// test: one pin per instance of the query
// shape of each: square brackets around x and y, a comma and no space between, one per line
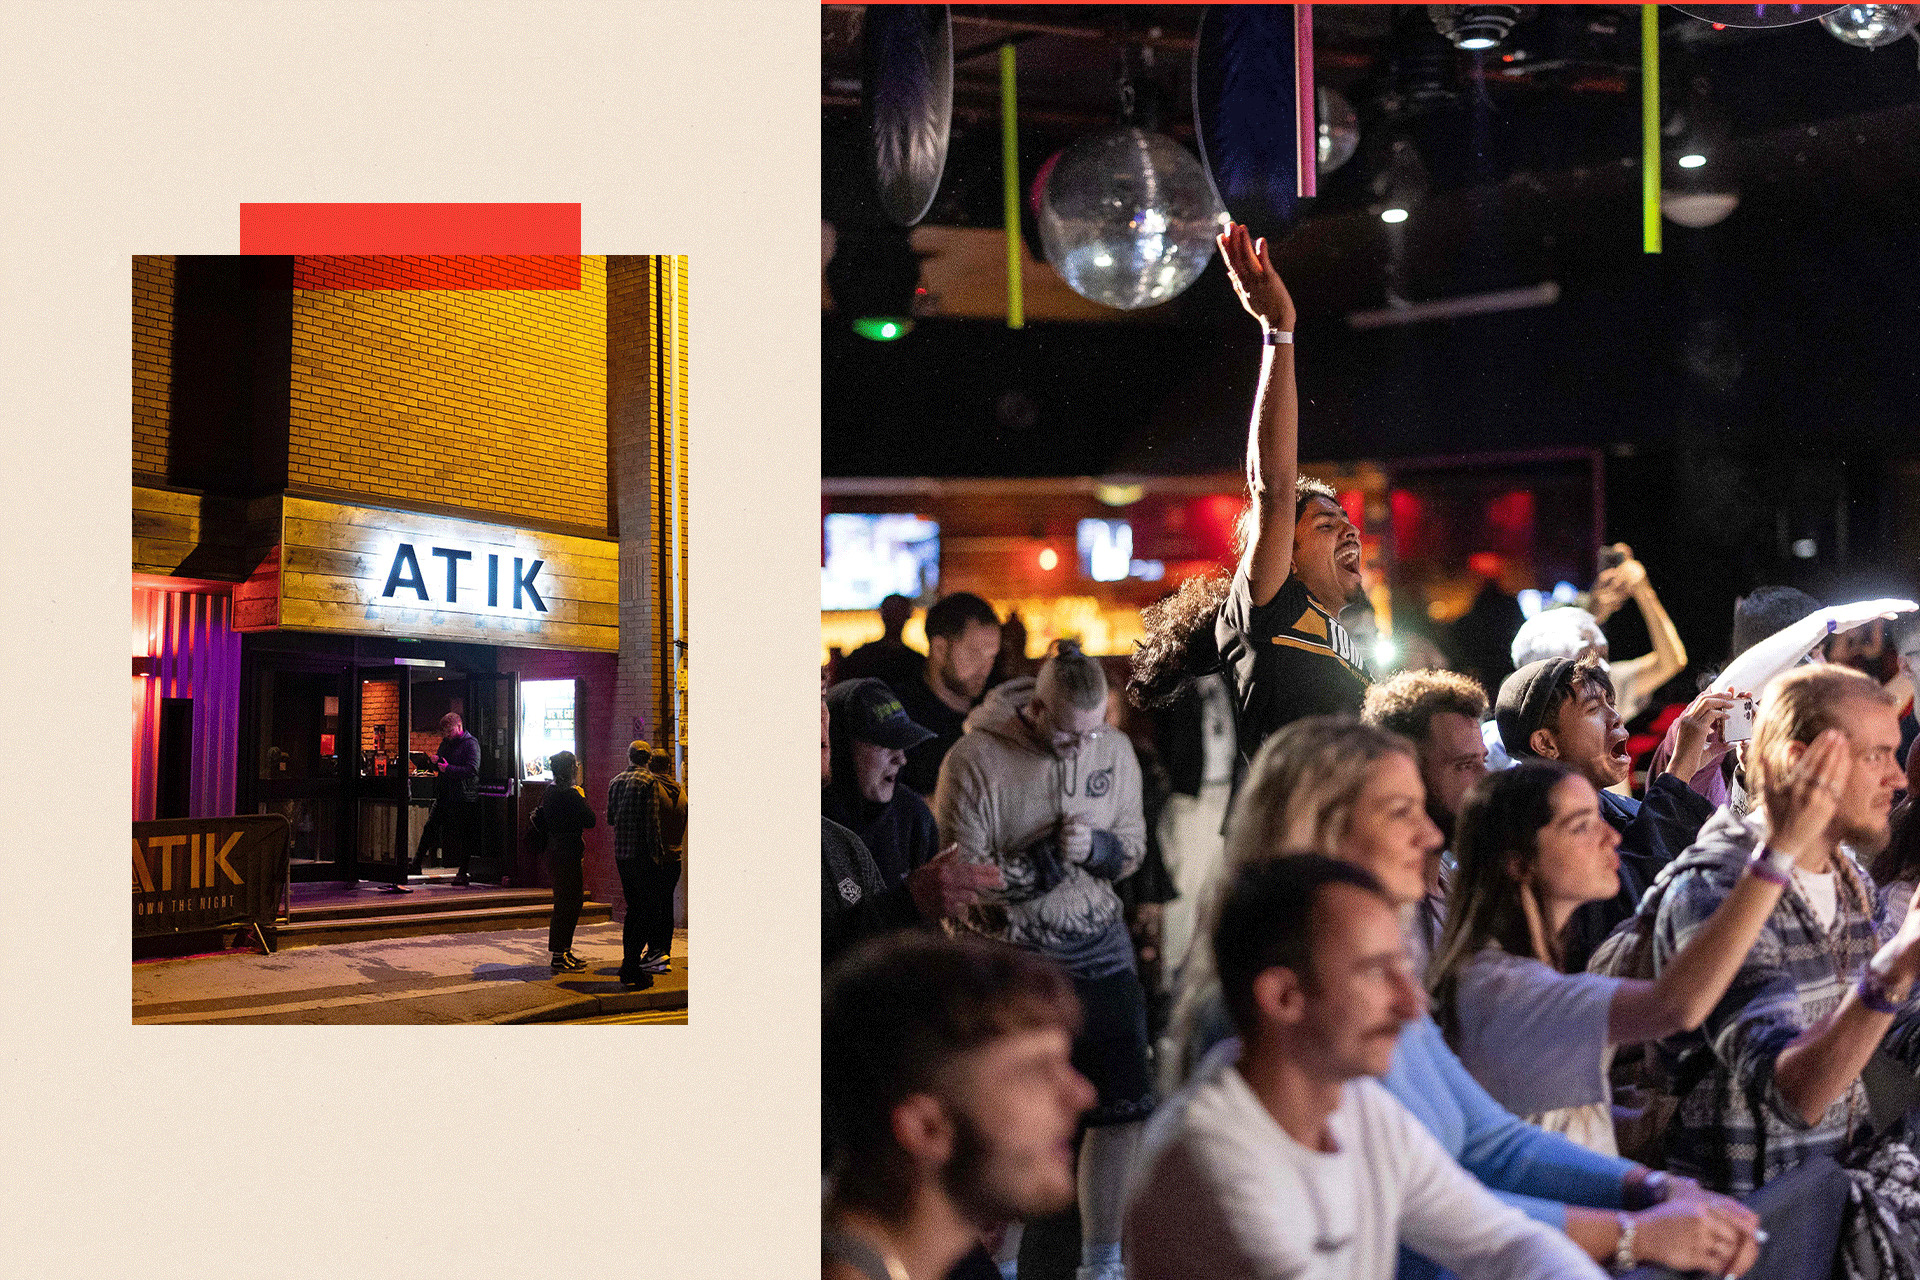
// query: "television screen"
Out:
[870,557]
[1106,549]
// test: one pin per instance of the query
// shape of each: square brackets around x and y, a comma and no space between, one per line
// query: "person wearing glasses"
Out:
[1293,1160]
[1041,789]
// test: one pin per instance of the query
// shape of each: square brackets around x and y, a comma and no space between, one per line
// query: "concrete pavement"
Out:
[497,977]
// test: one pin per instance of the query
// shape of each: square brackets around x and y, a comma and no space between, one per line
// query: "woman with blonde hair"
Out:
[1334,786]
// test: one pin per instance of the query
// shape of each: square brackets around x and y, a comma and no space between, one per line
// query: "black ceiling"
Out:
[1795,320]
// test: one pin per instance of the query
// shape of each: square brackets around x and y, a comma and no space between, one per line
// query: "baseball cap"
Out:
[1522,705]
[869,711]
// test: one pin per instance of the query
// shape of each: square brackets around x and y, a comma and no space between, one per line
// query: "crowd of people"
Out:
[1292,972]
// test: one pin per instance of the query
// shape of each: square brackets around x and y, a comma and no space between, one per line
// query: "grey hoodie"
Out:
[1001,797]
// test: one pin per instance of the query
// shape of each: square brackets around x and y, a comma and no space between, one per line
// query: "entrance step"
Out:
[403,918]
[322,913]
[310,903]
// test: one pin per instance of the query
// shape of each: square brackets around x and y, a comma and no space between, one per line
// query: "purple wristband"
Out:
[1873,995]
[1279,337]
[1761,866]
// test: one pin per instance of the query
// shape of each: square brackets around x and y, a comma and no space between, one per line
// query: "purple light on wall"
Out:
[192,652]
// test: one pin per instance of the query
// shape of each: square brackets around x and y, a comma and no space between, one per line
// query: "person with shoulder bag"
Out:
[558,822]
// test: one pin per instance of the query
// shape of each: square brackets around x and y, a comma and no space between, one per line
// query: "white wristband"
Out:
[1623,1256]
[1276,336]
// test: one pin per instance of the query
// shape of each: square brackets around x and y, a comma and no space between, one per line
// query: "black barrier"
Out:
[192,874]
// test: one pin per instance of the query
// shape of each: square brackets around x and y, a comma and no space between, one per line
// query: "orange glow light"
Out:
[1049,559]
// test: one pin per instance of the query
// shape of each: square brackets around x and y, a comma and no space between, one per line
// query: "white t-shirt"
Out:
[1222,1191]
[1818,888]
[1536,1039]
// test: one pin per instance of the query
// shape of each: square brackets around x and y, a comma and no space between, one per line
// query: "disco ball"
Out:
[1128,218]
[1338,129]
[1872,25]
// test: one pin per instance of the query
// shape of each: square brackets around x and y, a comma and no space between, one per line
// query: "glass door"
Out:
[492,716]
[301,755]
[378,783]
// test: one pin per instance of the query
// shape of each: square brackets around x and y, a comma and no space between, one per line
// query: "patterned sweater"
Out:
[1733,1130]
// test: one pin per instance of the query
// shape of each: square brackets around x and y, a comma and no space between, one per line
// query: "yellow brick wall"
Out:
[488,399]
[152,361]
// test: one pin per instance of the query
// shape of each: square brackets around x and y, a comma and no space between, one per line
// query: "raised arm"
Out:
[1273,437]
[1698,975]
[1636,679]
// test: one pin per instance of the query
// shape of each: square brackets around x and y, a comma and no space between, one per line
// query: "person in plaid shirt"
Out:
[637,806]
[1772,1078]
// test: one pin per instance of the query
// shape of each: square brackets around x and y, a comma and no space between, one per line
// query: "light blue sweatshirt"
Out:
[1493,1144]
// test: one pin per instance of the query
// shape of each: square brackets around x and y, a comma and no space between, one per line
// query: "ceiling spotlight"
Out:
[1476,26]
[1697,196]
[1870,26]
[1401,182]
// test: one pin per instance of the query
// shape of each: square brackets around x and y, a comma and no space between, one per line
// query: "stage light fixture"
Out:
[1695,194]
[1401,183]
[1476,26]
[874,277]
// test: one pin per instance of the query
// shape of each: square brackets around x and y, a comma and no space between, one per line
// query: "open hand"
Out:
[1800,806]
[1250,268]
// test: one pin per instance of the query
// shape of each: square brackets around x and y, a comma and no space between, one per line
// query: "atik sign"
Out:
[405,575]
[201,873]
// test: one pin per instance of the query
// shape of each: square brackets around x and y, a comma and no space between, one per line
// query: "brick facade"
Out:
[152,362]
[493,400]
[539,405]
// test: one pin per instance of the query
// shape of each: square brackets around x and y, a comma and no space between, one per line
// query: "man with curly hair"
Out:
[1440,713]
[1272,626]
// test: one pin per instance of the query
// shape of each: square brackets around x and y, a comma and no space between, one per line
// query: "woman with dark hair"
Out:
[1531,848]
[562,816]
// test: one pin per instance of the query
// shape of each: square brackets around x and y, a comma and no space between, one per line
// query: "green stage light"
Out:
[883,328]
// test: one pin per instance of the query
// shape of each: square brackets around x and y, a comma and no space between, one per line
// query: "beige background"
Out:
[418,1152]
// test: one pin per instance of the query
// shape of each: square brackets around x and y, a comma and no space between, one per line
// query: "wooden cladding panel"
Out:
[335,560]
[193,536]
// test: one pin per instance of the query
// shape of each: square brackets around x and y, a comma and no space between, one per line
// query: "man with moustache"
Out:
[858,898]
[1292,1160]
[1440,713]
[1562,709]
[871,733]
[948,1098]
